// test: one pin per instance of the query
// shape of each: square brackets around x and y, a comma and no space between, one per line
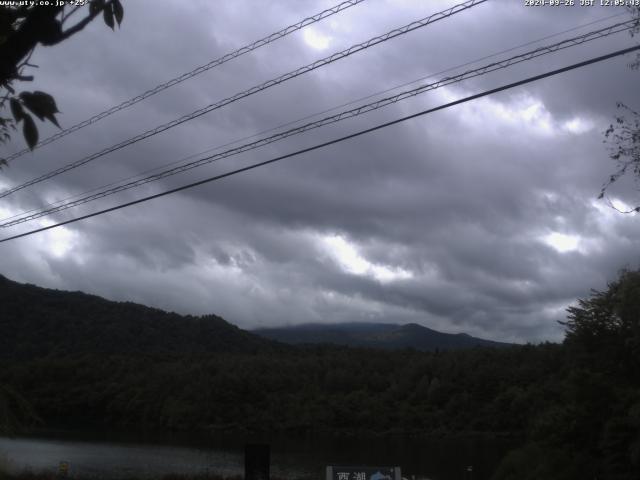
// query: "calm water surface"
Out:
[111,455]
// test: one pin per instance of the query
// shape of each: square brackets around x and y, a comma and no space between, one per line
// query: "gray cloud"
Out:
[448,220]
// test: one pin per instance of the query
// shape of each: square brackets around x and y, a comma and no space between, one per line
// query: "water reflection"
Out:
[121,455]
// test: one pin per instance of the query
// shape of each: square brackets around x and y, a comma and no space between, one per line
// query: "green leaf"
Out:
[16,109]
[42,105]
[118,11]
[107,14]
[49,100]
[54,120]
[30,131]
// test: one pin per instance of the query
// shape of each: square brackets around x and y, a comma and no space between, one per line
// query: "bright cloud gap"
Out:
[351,261]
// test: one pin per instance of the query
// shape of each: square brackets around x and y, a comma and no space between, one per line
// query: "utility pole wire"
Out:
[306,117]
[263,86]
[197,71]
[334,141]
[384,102]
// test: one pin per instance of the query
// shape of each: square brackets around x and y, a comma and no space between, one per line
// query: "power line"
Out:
[197,71]
[306,117]
[218,147]
[283,78]
[538,52]
[334,141]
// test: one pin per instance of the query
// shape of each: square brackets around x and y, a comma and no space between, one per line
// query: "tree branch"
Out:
[633,210]
[82,23]
[18,45]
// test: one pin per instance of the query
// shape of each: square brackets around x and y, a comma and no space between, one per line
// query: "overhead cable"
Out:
[197,71]
[331,142]
[499,65]
[263,86]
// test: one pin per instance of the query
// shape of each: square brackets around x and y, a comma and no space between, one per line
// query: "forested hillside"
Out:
[573,410]
[322,389]
[38,322]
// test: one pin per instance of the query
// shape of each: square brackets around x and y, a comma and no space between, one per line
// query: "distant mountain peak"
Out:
[375,335]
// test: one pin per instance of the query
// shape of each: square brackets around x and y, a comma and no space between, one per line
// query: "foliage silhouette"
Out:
[22,29]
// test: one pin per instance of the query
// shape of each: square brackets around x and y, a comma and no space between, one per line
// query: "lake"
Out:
[124,455]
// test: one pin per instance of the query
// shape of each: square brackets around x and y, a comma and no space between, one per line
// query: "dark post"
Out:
[468,472]
[256,462]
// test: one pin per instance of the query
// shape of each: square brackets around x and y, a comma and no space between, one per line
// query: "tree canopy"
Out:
[623,135]
[608,323]
[22,29]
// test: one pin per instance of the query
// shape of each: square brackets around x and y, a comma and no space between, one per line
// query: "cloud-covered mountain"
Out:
[376,335]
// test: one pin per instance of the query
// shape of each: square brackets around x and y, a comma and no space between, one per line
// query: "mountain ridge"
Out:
[38,322]
[375,335]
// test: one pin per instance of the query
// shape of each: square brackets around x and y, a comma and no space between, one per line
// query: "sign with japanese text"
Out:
[63,469]
[363,473]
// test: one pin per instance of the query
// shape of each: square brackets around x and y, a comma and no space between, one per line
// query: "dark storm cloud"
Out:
[481,218]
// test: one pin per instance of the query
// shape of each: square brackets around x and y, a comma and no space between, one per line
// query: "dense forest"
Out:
[39,322]
[572,410]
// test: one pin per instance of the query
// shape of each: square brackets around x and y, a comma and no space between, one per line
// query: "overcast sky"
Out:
[481,218]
